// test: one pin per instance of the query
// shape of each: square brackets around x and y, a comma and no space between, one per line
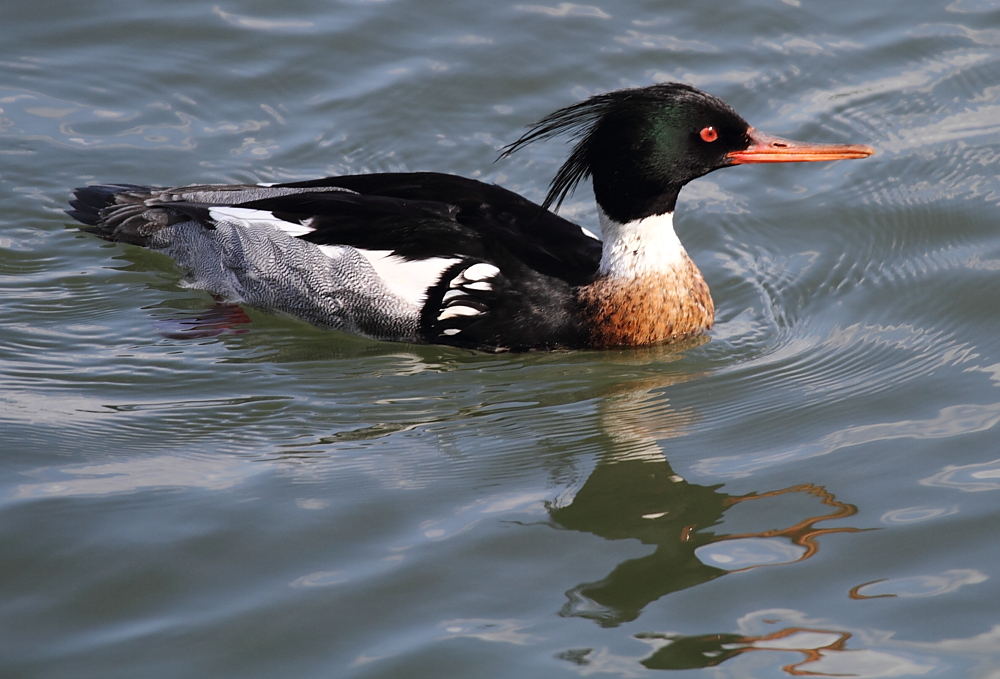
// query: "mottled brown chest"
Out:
[659,308]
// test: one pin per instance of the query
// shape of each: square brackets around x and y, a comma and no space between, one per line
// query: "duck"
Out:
[435,258]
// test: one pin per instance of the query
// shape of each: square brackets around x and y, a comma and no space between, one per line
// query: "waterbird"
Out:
[427,257]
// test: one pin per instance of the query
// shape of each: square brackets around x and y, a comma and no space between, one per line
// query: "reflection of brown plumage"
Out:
[633,493]
[710,650]
[803,533]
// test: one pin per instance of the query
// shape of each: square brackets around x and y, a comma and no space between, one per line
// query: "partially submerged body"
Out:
[435,258]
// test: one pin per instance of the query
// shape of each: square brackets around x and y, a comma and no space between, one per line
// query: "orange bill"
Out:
[767,149]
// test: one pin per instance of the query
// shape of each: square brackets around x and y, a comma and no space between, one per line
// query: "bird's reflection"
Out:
[709,650]
[805,647]
[648,502]
[634,493]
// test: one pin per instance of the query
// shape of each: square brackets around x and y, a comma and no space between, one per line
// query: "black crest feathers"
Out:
[583,120]
[579,121]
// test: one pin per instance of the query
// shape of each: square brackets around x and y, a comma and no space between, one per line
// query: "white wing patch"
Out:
[476,272]
[458,310]
[253,217]
[409,279]
[457,302]
[293,229]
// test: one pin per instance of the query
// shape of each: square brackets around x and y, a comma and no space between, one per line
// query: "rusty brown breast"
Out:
[654,308]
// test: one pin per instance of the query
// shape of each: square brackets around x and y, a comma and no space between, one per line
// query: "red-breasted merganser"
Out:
[436,258]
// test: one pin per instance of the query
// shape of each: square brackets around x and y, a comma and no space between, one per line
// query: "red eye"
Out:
[709,134]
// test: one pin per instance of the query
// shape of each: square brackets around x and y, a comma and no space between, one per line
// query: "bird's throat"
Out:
[642,247]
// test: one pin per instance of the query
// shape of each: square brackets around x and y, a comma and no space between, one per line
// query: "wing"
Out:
[420,215]
[487,268]
[512,265]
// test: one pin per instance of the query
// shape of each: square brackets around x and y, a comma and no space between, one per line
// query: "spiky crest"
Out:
[596,121]
[579,121]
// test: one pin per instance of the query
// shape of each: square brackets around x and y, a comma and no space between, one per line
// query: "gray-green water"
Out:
[813,490]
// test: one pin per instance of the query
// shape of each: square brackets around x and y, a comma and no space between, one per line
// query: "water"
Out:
[813,490]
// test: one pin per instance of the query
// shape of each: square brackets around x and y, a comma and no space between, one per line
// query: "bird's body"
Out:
[436,258]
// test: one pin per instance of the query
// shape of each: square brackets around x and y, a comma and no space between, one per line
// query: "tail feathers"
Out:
[119,212]
[90,200]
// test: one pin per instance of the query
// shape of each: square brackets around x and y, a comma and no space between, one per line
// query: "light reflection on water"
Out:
[128,476]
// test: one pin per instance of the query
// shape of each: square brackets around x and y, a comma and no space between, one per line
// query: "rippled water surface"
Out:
[188,491]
